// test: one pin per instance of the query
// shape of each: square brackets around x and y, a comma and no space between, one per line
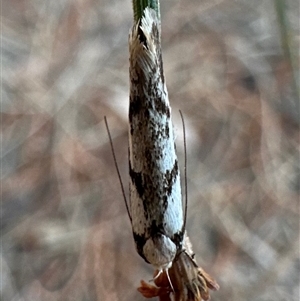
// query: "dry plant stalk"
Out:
[156,214]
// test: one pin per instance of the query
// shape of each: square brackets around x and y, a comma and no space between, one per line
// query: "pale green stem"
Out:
[286,41]
[140,5]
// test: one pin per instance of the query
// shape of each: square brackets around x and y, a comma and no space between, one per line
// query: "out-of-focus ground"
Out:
[65,231]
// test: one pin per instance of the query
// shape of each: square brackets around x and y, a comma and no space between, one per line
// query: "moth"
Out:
[155,207]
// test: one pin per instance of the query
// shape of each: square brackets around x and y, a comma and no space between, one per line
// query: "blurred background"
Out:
[231,67]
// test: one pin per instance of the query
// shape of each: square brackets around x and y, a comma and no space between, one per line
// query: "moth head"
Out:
[160,251]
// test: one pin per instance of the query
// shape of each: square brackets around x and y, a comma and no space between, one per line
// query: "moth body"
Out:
[155,193]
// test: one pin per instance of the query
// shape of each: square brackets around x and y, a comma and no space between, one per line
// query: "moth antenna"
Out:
[185,171]
[117,168]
